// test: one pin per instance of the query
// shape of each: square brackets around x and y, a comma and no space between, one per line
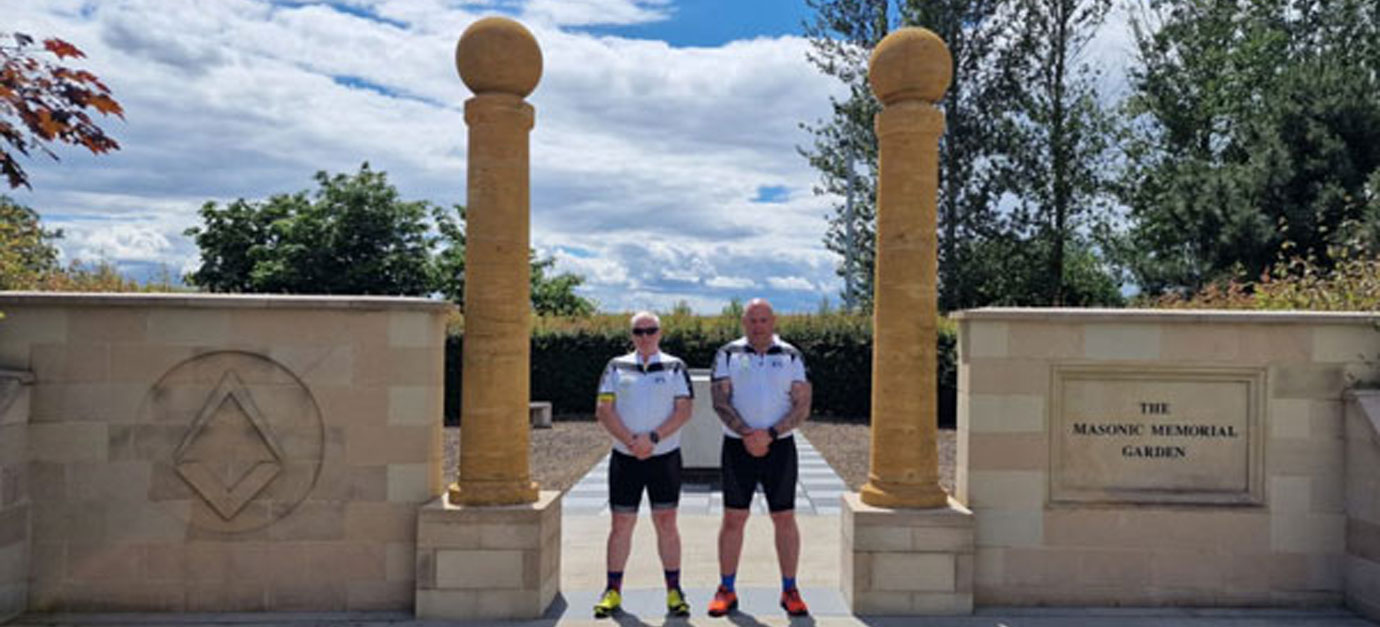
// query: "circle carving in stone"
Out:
[235,436]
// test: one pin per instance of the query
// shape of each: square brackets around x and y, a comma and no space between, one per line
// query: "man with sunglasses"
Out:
[761,394]
[644,400]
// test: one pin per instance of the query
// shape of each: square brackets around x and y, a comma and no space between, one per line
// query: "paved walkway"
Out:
[585,524]
[561,615]
[816,494]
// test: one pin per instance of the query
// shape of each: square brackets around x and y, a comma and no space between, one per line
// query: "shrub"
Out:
[569,354]
[1351,283]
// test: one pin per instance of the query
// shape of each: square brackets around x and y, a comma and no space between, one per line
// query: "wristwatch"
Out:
[771,431]
[656,439]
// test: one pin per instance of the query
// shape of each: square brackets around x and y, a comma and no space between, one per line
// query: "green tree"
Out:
[555,294]
[1015,271]
[1058,137]
[983,91]
[998,119]
[450,259]
[353,236]
[551,294]
[27,250]
[42,102]
[1255,128]
[842,35]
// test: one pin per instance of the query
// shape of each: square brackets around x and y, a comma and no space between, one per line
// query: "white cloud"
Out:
[730,282]
[790,283]
[124,242]
[645,157]
[592,12]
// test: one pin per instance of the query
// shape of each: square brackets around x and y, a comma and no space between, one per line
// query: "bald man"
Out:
[761,394]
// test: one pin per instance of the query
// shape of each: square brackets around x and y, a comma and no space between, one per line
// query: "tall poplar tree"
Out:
[982,90]
[842,36]
[1059,136]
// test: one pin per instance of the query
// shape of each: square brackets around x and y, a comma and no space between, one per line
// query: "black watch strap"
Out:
[656,439]
[771,431]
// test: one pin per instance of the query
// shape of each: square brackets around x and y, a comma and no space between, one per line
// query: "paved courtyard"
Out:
[817,492]
[584,530]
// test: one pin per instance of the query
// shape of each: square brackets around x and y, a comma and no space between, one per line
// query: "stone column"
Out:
[909,71]
[907,547]
[492,550]
[500,62]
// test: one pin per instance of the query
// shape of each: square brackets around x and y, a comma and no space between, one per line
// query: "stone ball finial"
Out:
[497,54]
[910,63]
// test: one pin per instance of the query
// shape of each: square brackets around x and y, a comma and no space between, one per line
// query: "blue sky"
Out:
[664,166]
[710,23]
[663,161]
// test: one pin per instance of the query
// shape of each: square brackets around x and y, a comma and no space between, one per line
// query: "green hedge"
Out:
[568,356]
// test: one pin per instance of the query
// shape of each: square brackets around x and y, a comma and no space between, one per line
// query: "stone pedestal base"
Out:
[906,562]
[494,562]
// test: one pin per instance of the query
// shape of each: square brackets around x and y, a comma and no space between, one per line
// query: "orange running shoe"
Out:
[793,604]
[724,601]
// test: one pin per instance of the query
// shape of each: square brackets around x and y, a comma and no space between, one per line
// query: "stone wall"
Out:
[1249,509]
[1363,503]
[226,453]
[14,497]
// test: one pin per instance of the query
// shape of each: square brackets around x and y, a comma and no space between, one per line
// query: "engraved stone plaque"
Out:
[236,435]
[1156,435]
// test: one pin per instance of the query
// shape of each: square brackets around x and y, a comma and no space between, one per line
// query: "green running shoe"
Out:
[675,603]
[609,604]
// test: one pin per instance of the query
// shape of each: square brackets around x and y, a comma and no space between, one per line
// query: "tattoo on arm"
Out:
[723,406]
[801,394]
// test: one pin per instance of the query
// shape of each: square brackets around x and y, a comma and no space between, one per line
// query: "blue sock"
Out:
[615,580]
[787,584]
[727,581]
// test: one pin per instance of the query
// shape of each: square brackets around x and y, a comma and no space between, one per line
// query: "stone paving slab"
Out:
[817,490]
[649,605]
[562,614]
[585,529]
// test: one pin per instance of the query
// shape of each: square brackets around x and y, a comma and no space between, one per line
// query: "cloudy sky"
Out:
[664,163]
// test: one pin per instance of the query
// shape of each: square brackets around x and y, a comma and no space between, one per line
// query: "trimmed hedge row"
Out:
[568,356]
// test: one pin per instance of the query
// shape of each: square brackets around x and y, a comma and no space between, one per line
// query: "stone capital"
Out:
[909,117]
[505,110]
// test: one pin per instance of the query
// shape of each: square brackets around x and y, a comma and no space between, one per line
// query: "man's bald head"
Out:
[759,304]
[759,323]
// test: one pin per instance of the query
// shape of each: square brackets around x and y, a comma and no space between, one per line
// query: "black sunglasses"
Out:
[646,331]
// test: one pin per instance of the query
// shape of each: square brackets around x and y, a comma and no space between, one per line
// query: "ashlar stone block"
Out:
[907,561]
[931,572]
[487,562]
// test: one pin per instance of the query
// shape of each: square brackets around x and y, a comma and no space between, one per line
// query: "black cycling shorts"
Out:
[776,472]
[659,475]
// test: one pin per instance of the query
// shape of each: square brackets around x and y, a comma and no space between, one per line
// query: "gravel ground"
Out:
[844,445]
[565,452]
[560,455]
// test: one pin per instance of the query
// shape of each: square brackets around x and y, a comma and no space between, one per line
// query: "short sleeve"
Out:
[608,383]
[684,388]
[798,370]
[720,366]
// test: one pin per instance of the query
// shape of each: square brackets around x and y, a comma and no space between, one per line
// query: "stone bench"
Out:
[539,413]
